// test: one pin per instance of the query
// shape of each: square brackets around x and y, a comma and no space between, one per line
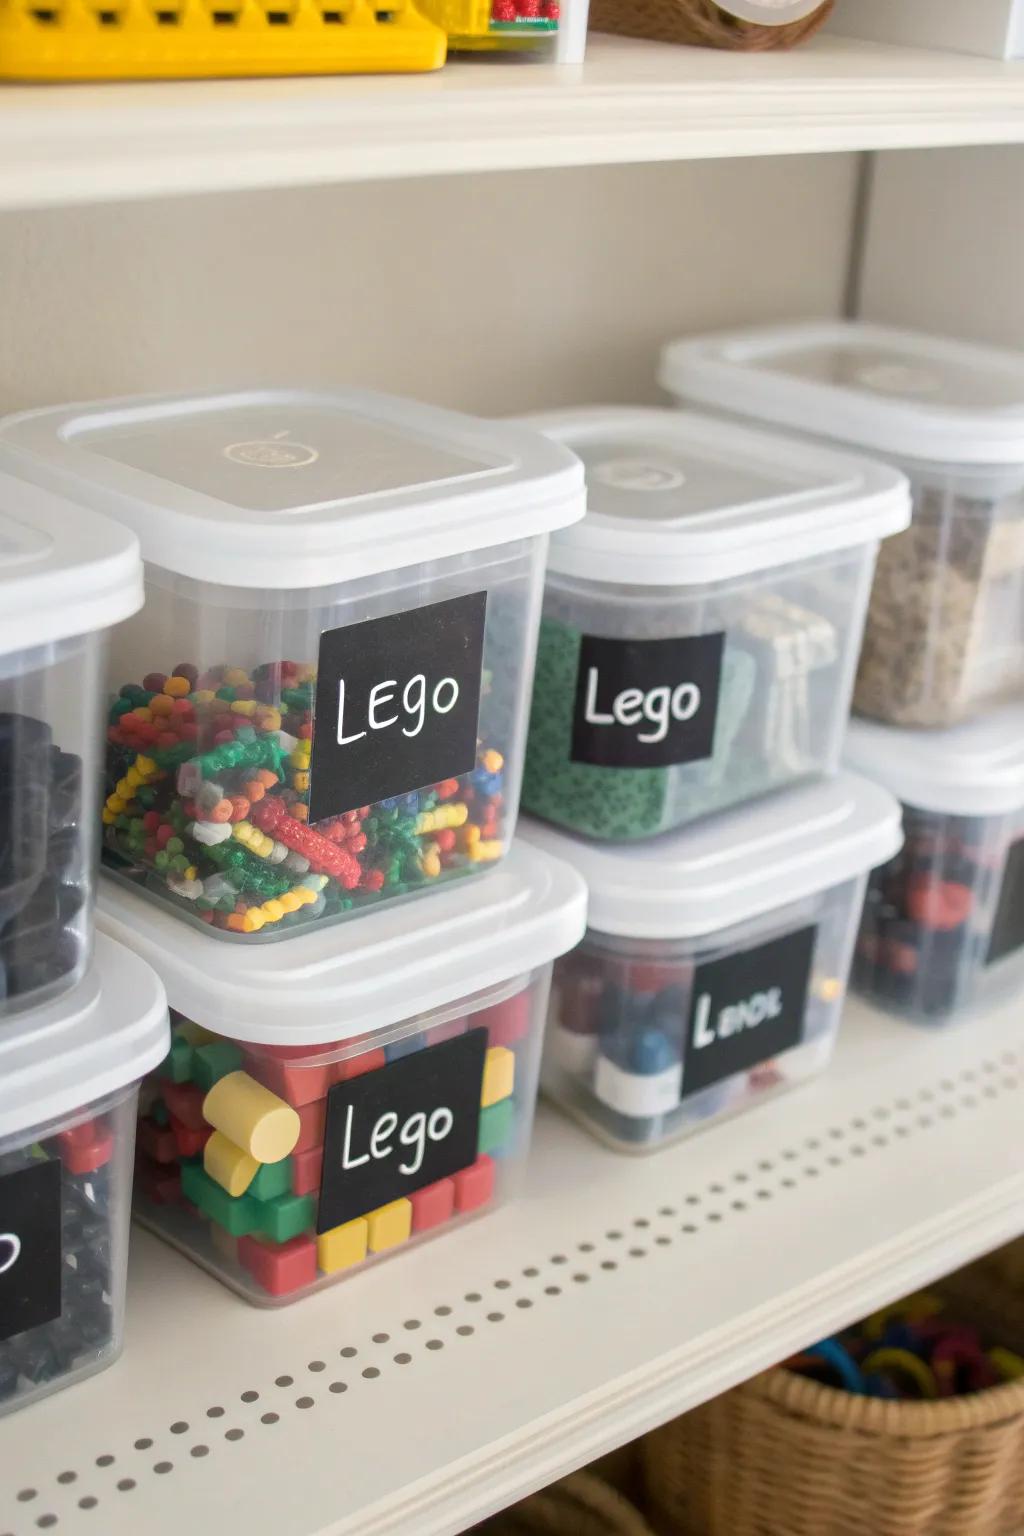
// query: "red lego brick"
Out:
[156,1141]
[86,1147]
[306,1170]
[433,1205]
[185,1103]
[312,1119]
[474,1186]
[445,1031]
[159,1184]
[506,1022]
[296,1085]
[189,1142]
[358,1066]
[279,1267]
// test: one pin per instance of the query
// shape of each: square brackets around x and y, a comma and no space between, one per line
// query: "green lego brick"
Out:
[213,1061]
[496,1124]
[272,1179]
[237,1214]
[159,1112]
[285,1217]
[177,1064]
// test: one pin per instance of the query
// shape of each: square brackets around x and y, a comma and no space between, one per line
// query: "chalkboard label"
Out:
[1008,925]
[408,1124]
[30,1247]
[646,703]
[397,703]
[746,1009]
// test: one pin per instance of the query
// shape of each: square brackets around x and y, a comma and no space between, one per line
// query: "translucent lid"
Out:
[770,13]
[291,488]
[63,571]
[108,1031]
[734,866]
[385,966]
[675,498]
[974,769]
[921,397]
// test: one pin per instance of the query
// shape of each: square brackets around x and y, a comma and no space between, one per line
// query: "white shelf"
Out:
[631,101]
[615,1294]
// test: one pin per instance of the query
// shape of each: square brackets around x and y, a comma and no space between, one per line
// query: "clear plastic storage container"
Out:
[65,576]
[69,1080]
[323,703]
[946,915]
[701,624]
[331,1102]
[714,966]
[945,629]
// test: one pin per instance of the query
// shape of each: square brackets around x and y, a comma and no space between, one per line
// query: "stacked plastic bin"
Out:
[940,684]
[697,646]
[314,750]
[78,1027]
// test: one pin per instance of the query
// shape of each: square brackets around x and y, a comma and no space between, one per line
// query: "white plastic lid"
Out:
[734,866]
[920,397]
[63,571]
[291,488]
[974,769]
[770,13]
[385,966]
[108,1031]
[679,499]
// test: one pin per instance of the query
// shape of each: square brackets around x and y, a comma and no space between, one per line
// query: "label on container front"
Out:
[1008,923]
[396,1130]
[30,1247]
[747,1008]
[646,703]
[397,703]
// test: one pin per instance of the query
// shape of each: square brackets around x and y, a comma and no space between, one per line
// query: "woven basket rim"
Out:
[825,1405]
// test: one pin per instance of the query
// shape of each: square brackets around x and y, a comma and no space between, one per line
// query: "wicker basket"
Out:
[785,1456]
[580,1505]
[698,21]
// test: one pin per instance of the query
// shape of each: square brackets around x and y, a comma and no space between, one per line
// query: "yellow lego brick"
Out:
[389,1225]
[343,1246]
[499,1075]
[230,1166]
[252,1117]
[193,39]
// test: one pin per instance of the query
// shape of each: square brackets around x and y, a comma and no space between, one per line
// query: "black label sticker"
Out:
[394,1131]
[30,1247]
[746,1009]
[646,703]
[397,701]
[1008,924]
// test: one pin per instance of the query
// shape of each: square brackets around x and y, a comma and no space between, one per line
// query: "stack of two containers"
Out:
[940,687]
[350,1068]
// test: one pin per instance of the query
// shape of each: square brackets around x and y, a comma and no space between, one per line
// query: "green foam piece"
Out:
[285,1216]
[273,1179]
[237,1214]
[496,1125]
[213,1061]
[178,1063]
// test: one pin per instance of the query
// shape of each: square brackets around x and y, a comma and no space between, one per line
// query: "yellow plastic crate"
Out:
[485,24]
[189,39]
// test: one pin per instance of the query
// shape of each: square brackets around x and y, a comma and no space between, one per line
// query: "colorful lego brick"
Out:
[237,1216]
[506,1022]
[447,1031]
[189,1143]
[433,1205]
[389,1225]
[190,1031]
[295,1085]
[497,1123]
[177,1064]
[407,1046]
[306,1170]
[358,1066]
[312,1123]
[157,1182]
[252,1117]
[156,1141]
[286,1216]
[272,1179]
[474,1186]
[212,1062]
[343,1246]
[230,1166]
[279,1267]
[499,1075]
[160,1113]
[185,1103]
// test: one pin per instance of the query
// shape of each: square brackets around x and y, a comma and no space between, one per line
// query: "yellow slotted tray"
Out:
[193,39]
